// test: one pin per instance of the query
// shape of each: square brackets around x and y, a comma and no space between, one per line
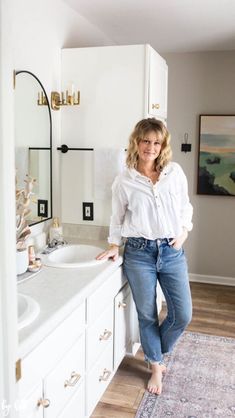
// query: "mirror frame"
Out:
[42,148]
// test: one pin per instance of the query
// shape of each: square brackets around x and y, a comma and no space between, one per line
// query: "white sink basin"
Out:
[28,310]
[72,256]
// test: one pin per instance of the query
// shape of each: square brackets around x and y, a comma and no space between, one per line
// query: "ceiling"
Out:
[167,25]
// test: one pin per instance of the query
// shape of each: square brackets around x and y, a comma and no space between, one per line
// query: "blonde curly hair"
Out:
[141,129]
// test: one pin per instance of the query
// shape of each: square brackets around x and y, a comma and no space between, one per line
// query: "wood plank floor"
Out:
[213,313]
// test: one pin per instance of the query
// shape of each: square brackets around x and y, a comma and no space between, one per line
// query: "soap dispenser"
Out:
[56,230]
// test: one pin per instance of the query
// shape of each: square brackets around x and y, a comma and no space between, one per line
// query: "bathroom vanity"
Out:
[70,353]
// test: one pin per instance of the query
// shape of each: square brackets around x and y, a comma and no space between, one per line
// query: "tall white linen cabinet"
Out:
[119,86]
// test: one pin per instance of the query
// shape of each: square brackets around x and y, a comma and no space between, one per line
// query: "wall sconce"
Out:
[42,100]
[67,99]
[185,147]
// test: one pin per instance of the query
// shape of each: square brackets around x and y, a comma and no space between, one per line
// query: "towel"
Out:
[108,163]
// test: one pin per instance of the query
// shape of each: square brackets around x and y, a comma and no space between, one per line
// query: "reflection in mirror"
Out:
[33,144]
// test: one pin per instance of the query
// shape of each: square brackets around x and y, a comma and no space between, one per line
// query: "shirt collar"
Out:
[134,173]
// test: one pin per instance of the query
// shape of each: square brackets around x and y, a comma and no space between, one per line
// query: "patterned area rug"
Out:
[199,383]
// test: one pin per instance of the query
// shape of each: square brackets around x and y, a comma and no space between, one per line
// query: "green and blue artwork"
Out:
[216,163]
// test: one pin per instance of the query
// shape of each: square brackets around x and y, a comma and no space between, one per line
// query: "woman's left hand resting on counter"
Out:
[177,242]
[112,252]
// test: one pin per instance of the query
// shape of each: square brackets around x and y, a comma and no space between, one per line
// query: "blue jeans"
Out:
[145,263]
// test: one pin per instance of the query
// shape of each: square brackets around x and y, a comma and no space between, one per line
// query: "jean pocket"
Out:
[136,243]
[177,250]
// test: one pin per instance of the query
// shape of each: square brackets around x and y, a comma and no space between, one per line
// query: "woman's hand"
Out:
[112,252]
[177,242]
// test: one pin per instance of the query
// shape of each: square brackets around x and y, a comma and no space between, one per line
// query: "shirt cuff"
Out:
[115,240]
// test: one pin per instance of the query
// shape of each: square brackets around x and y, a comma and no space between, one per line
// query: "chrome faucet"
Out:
[55,243]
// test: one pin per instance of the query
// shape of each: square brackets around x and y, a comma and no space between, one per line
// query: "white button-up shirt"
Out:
[143,209]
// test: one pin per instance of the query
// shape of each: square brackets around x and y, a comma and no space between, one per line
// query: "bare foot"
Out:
[155,382]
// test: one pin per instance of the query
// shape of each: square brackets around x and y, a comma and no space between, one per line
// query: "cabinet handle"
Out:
[105,375]
[43,402]
[156,106]
[105,335]
[73,379]
[122,305]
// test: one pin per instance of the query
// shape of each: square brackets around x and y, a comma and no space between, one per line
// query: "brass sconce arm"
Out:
[42,100]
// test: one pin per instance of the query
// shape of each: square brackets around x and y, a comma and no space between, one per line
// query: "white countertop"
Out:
[59,291]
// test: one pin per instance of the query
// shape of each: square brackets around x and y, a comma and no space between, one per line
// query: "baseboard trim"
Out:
[203,278]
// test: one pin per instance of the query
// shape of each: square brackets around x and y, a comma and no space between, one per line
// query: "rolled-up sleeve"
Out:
[119,205]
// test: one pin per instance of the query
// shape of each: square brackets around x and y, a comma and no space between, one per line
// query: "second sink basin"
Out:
[72,256]
[28,310]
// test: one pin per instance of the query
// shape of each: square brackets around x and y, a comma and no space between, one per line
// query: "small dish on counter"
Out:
[33,268]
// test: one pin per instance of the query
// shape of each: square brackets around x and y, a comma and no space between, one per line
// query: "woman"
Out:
[152,213]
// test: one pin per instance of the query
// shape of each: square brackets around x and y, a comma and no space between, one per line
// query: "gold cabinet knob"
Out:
[155,106]
[105,375]
[45,403]
[74,378]
[106,335]
[122,305]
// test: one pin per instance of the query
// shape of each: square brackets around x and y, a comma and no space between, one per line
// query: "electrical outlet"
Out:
[43,208]
[87,211]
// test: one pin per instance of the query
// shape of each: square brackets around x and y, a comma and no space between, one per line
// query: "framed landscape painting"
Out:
[216,159]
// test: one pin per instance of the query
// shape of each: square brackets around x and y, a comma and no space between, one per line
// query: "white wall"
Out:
[203,83]
[8,336]
[40,30]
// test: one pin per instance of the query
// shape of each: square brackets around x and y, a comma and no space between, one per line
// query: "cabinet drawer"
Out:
[99,335]
[28,407]
[98,379]
[44,357]
[103,295]
[76,405]
[64,379]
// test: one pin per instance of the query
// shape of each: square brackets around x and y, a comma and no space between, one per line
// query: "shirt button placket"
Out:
[156,197]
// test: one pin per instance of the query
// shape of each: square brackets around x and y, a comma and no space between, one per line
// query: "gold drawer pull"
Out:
[122,305]
[156,106]
[73,379]
[106,335]
[43,402]
[105,376]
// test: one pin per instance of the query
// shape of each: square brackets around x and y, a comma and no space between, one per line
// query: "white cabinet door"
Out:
[98,379]
[111,81]
[122,326]
[63,381]
[30,407]
[158,80]
[99,336]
